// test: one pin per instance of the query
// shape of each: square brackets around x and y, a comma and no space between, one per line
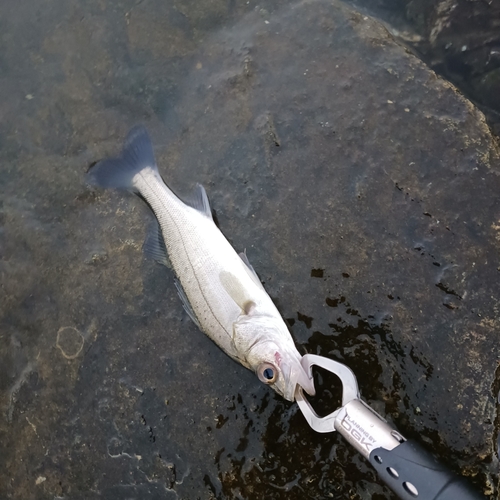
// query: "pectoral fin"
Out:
[237,292]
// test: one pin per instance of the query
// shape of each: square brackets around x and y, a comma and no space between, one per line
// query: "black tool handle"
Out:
[413,473]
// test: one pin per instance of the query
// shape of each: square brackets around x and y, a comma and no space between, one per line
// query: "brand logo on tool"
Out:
[357,432]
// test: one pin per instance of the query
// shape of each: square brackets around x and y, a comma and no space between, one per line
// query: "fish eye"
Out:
[267,373]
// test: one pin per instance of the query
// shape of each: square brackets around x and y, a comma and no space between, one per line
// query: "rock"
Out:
[460,40]
[323,145]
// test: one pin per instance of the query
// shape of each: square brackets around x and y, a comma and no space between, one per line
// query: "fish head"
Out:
[270,352]
[281,369]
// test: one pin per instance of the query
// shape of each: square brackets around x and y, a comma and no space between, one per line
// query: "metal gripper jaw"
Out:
[350,391]
[364,428]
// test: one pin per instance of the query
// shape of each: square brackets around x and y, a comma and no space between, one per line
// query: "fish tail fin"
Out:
[137,154]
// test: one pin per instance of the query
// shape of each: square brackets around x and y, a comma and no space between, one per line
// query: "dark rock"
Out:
[460,40]
[323,144]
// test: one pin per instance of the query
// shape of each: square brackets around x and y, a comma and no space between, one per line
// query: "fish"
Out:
[218,287]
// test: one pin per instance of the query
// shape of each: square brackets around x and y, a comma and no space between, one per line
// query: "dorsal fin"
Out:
[250,268]
[199,200]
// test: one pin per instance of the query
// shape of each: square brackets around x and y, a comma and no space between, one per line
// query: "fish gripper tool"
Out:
[405,466]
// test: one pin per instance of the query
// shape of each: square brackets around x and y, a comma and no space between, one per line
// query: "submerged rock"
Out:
[323,145]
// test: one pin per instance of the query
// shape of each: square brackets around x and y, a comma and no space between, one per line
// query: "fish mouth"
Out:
[298,377]
[306,383]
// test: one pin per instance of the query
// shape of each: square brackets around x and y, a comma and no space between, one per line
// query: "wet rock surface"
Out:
[460,40]
[364,188]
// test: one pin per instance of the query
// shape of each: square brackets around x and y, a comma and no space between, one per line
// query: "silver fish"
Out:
[219,288]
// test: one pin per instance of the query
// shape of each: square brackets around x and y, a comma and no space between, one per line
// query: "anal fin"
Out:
[154,245]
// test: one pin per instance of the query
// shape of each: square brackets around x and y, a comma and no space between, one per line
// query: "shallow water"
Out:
[363,188]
